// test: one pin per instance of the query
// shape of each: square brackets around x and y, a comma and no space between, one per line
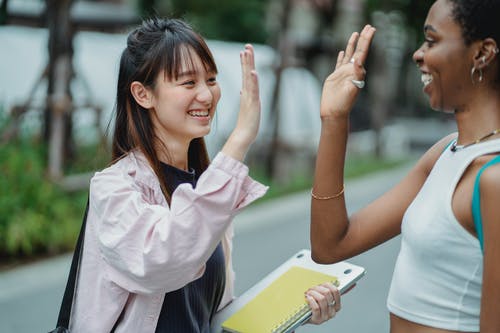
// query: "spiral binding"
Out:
[297,314]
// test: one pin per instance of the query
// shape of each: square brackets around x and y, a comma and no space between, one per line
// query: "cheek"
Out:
[216,93]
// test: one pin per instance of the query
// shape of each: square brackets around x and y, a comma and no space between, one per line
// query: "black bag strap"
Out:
[67,302]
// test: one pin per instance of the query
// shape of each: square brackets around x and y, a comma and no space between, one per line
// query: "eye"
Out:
[429,42]
[212,80]
[188,83]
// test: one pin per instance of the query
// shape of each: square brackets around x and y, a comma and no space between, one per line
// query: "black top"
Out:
[191,308]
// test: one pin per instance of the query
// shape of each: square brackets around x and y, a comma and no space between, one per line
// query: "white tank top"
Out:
[438,274]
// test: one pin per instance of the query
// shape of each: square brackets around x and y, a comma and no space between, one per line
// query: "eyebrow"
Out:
[186,73]
[193,72]
[429,27]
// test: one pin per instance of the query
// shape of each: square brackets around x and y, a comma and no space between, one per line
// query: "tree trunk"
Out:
[57,115]
[3,12]
[282,45]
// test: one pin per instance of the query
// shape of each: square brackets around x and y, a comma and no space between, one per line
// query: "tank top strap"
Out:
[476,203]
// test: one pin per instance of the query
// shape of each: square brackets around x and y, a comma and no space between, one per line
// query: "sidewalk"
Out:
[30,295]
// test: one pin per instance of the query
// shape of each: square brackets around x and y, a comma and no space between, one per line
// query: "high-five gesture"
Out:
[342,86]
[248,122]
[339,94]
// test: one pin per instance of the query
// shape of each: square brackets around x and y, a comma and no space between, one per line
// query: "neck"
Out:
[478,118]
[173,153]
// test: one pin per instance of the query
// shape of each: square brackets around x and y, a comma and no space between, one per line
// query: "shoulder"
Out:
[132,170]
[490,180]
[428,160]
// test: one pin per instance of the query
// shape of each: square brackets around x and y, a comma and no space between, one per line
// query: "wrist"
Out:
[334,124]
[335,117]
[236,147]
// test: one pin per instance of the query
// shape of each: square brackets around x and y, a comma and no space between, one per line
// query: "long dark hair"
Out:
[155,46]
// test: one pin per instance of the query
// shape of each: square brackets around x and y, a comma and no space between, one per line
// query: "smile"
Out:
[426,78]
[199,113]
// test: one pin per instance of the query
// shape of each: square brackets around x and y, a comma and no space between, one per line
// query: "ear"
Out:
[142,95]
[486,53]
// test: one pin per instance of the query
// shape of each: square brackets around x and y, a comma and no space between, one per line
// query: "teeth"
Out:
[426,79]
[198,113]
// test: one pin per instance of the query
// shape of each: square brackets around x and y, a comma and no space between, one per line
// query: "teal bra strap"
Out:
[476,205]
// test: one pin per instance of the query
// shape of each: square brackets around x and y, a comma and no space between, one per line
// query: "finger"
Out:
[254,83]
[331,294]
[340,57]
[322,302]
[251,55]
[349,50]
[337,298]
[363,43]
[315,309]
[243,70]
[246,66]
[359,71]
[249,75]
[330,290]
[324,289]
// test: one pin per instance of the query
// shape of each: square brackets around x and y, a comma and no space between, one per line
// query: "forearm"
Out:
[236,147]
[329,220]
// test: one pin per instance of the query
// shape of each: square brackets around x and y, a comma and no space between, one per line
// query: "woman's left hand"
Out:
[247,126]
[324,301]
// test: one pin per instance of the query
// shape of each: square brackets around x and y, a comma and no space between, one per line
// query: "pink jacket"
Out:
[137,248]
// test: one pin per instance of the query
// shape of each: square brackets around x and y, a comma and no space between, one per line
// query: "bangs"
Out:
[182,58]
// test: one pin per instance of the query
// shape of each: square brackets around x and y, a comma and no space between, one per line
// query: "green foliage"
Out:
[414,11]
[36,217]
[362,165]
[3,12]
[230,20]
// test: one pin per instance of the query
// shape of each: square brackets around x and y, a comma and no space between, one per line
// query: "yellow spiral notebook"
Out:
[279,306]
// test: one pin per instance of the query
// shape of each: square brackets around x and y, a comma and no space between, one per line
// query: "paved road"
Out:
[266,234]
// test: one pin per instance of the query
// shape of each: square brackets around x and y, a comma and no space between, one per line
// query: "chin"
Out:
[439,106]
[204,132]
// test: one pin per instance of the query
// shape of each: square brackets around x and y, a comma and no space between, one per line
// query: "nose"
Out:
[418,56]
[204,94]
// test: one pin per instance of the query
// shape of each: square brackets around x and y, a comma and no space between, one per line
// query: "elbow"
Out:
[323,257]
[320,259]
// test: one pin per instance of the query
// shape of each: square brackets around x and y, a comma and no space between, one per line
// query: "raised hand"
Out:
[247,125]
[342,86]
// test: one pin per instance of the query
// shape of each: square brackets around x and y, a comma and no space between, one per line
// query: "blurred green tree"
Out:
[414,12]
[229,20]
[3,12]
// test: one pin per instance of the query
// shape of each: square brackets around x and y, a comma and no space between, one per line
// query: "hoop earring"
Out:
[473,71]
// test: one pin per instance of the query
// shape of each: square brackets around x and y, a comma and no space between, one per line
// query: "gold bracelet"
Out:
[336,195]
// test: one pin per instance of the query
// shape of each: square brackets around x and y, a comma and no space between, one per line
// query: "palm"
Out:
[249,116]
[339,93]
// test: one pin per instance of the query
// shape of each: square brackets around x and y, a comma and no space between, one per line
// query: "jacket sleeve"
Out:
[149,248]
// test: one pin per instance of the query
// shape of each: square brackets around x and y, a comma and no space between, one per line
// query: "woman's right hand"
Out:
[248,122]
[339,92]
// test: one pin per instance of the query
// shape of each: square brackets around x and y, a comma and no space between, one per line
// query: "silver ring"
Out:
[332,304]
[352,60]
[358,83]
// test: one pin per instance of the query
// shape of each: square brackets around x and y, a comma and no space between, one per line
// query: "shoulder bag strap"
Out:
[67,302]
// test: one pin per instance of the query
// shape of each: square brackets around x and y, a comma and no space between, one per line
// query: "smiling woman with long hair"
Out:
[158,238]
